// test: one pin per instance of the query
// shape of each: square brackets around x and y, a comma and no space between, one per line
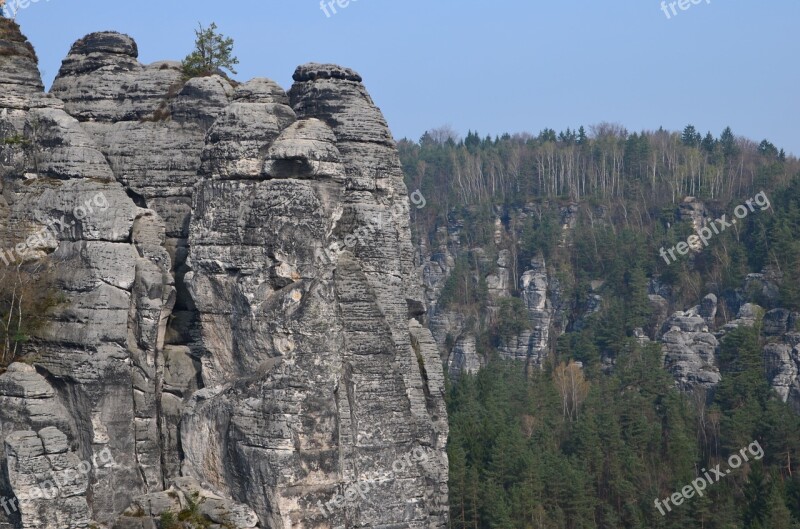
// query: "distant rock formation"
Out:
[456,335]
[689,339]
[690,349]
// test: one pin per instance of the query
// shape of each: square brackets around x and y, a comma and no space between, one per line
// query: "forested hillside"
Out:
[627,188]
[593,434]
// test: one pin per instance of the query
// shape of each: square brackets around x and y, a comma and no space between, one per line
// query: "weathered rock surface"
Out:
[455,335]
[235,323]
[690,348]
[187,497]
[533,345]
[307,148]
[48,480]
[782,354]
[307,345]
[237,140]
[20,81]
[150,125]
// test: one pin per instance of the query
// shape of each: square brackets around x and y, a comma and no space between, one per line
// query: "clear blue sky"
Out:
[495,66]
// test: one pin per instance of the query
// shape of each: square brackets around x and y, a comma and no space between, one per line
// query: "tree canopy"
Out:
[213,53]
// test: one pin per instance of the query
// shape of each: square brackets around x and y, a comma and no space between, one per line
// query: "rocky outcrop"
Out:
[48,480]
[689,357]
[187,499]
[690,349]
[61,198]
[236,331]
[20,82]
[533,345]
[689,346]
[456,334]
[782,354]
[308,343]
[464,357]
[150,124]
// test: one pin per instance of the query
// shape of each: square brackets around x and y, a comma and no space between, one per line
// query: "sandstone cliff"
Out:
[689,339]
[238,339]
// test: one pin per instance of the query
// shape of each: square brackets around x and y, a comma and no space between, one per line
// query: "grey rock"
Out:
[690,358]
[301,333]
[92,77]
[533,345]
[336,96]
[464,357]
[693,211]
[690,351]
[260,90]
[778,322]
[747,316]
[48,480]
[187,495]
[307,148]
[782,364]
[235,322]
[19,74]
[640,336]
[60,149]
[201,100]
[237,142]
[708,309]
[764,286]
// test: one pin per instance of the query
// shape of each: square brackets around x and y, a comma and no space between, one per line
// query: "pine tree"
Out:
[213,52]
[638,307]
[690,136]
[582,138]
[765,148]
[728,142]
[709,143]
[777,515]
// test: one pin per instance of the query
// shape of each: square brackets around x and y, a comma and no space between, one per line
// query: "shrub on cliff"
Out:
[213,52]
[27,292]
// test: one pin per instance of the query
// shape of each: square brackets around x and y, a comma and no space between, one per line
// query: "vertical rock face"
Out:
[456,335]
[533,345]
[33,456]
[319,378]
[690,348]
[782,354]
[21,80]
[240,300]
[61,198]
[150,125]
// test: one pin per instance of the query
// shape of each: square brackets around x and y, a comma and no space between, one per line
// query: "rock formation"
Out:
[689,339]
[456,335]
[235,332]
[533,345]
[690,349]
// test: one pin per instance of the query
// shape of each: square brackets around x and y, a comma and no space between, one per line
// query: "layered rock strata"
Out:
[233,328]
